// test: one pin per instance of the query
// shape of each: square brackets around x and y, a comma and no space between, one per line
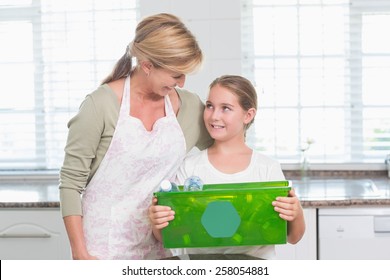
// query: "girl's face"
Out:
[163,81]
[223,116]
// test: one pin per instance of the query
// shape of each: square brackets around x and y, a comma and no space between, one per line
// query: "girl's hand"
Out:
[289,208]
[160,215]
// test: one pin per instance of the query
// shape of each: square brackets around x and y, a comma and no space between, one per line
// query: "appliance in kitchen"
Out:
[355,233]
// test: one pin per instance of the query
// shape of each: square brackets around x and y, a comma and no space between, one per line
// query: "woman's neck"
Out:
[140,89]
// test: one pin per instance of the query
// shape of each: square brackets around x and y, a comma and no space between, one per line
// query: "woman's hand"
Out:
[85,256]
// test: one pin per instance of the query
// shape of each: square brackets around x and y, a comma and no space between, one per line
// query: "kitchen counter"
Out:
[33,194]
[313,192]
[320,192]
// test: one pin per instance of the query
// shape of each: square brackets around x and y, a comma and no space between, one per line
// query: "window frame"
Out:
[249,59]
[39,162]
[31,14]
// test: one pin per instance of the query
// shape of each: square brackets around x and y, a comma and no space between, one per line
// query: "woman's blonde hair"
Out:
[163,40]
[242,88]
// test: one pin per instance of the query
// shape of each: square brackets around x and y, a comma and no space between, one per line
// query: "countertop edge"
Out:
[305,204]
[53,204]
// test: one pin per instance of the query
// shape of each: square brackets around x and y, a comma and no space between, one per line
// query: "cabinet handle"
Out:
[21,235]
[382,224]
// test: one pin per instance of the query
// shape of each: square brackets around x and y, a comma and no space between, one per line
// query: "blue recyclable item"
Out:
[193,183]
[167,186]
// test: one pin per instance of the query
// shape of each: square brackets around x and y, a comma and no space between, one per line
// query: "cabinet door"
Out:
[37,234]
[306,248]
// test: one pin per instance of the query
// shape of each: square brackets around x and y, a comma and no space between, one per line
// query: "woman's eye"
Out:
[209,106]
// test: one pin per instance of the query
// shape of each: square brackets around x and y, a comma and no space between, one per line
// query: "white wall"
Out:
[217,26]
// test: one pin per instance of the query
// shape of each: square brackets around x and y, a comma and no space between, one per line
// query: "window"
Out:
[52,54]
[321,68]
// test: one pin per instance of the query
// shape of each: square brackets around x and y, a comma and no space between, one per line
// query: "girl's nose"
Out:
[215,115]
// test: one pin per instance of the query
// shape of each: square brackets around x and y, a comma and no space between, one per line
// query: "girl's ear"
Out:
[250,115]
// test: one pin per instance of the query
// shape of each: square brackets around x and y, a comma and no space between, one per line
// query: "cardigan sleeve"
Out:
[89,136]
[190,118]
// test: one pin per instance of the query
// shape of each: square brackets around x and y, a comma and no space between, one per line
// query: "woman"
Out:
[129,135]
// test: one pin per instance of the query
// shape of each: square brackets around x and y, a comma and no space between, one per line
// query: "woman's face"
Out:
[163,81]
[223,116]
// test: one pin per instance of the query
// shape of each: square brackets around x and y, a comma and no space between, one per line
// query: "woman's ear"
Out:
[250,115]
[146,67]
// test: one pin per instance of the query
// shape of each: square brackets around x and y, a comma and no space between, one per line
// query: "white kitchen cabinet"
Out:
[33,234]
[306,248]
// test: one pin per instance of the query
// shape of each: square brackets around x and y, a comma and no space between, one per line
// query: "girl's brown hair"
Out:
[242,88]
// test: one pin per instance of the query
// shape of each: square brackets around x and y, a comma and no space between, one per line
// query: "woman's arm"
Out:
[84,146]
[74,228]
[190,118]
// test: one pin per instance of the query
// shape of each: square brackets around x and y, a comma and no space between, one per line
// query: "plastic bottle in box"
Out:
[193,183]
[167,186]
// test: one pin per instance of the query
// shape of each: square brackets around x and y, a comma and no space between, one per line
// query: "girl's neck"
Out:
[229,159]
[229,148]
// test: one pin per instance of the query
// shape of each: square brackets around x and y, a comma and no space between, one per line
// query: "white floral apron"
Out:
[116,201]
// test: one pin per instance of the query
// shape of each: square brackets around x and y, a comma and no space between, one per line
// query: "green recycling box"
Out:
[233,214]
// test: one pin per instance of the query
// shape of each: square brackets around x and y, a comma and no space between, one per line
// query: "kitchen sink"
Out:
[336,188]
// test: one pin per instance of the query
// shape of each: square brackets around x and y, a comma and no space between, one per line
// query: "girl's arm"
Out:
[290,209]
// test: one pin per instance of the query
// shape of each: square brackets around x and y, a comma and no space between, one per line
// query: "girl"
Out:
[230,110]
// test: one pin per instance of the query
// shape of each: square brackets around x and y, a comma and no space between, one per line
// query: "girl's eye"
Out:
[226,108]
[209,106]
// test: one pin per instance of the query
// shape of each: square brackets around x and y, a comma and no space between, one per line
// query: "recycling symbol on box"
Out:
[220,219]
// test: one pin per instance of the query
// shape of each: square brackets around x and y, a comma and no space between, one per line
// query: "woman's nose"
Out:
[180,81]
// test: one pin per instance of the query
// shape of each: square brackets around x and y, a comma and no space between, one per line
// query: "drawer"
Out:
[33,234]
